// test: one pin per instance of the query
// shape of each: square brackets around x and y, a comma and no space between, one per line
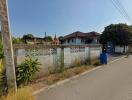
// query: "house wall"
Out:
[78,41]
[95,41]
[74,41]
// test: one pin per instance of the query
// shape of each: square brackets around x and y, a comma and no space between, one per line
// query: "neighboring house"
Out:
[79,38]
[36,40]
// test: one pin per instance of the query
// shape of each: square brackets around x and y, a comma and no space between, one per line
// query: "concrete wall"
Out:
[50,58]
[119,49]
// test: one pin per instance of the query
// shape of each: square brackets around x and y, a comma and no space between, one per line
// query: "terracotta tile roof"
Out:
[82,35]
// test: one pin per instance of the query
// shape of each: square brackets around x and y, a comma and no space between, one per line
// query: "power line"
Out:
[120,9]
[118,5]
[124,10]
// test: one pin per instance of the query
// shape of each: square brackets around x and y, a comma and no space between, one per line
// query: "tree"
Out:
[61,39]
[48,38]
[118,34]
[17,40]
[27,36]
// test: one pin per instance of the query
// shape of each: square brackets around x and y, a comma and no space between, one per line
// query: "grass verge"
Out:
[26,93]
[21,94]
[56,77]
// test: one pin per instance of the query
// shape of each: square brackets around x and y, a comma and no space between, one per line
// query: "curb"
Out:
[74,77]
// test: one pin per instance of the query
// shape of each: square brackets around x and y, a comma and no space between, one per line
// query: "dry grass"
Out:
[77,62]
[53,78]
[77,68]
[2,77]
[21,94]
[65,74]
[1,65]
[95,62]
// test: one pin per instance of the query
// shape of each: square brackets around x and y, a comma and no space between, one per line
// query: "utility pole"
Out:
[7,46]
[45,37]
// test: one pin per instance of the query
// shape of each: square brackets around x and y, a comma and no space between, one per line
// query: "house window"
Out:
[68,40]
[82,40]
[88,41]
[72,40]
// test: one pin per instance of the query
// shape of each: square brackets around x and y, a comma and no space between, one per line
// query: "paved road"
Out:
[111,82]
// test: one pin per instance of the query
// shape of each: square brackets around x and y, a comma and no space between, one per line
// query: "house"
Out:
[79,38]
[36,40]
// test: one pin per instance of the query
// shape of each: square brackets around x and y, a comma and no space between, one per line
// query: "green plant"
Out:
[17,40]
[2,79]
[26,70]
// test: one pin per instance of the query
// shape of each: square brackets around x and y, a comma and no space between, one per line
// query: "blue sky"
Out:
[62,17]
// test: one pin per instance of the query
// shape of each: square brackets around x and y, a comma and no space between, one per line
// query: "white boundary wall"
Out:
[51,58]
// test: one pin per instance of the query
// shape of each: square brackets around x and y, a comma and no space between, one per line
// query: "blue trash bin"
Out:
[104,58]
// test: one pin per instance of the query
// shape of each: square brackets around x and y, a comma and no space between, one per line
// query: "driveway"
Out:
[110,82]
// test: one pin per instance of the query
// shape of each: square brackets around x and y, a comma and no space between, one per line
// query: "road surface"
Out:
[111,82]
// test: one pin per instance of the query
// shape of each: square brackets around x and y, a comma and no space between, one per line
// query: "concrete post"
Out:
[62,58]
[7,46]
[89,53]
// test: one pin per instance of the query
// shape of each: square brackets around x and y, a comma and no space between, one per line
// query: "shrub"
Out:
[26,70]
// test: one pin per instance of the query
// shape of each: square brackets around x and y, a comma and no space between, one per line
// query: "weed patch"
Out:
[21,94]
